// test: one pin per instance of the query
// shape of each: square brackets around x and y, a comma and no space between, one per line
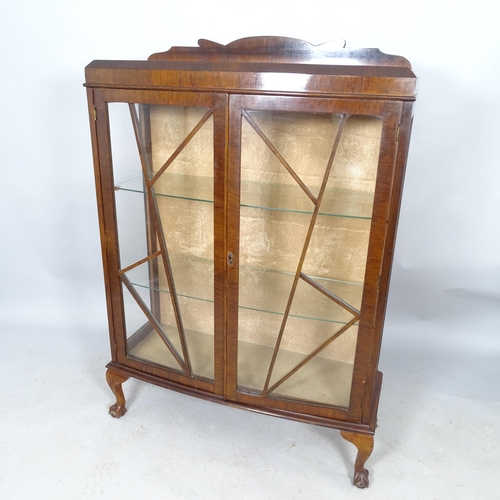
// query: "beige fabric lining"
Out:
[188,225]
[272,240]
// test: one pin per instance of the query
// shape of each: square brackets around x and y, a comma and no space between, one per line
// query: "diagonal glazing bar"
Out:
[152,245]
[312,355]
[181,146]
[314,216]
[157,228]
[278,155]
[139,262]
[330,295]
[154,323]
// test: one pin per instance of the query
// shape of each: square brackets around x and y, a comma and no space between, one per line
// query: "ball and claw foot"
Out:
[117,411]
[361,479]
[115,381]
[364,444]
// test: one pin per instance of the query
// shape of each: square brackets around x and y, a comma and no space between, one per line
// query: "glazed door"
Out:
[312,178]
[162,185]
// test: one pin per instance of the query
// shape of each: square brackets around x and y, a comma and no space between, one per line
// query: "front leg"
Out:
[364,444]
[115,380]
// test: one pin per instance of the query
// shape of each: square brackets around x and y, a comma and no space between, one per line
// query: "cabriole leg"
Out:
[364,444]
[115,380]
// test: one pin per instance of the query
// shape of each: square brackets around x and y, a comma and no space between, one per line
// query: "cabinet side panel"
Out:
[395,203]
[100,212]
[365,371]
[109,228]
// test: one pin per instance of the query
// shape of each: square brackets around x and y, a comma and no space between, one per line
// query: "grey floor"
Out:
[58,442]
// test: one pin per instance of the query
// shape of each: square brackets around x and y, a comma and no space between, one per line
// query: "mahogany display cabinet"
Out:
[248,200]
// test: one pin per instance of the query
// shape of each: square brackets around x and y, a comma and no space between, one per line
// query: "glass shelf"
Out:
[193,277]
[267,196]
[291,198]
[186,187]
[266,290]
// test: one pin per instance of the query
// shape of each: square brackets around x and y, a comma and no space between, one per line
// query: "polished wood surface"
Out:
[263,65]
[281,49]
[262,74]
[255,78]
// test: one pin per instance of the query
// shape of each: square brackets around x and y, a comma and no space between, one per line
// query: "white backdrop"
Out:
[443,321]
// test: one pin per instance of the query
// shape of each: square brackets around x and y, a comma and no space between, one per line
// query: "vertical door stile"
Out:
[232,242]
[221,104]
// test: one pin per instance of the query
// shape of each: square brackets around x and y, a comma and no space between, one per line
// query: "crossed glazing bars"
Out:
[149,180]
[299,274]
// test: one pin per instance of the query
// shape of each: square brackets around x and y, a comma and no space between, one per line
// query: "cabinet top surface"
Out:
[262,64]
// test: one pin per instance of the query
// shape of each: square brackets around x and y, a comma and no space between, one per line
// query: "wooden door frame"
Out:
[365,378]
[109,232]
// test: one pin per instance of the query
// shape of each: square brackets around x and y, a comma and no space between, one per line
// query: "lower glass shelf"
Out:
[146,345]
[321,380]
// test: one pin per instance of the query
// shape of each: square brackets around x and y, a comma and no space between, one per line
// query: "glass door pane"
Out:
[163,159]
[306,199]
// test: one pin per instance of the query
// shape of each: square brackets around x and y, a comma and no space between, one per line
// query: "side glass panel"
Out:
[163,162]
[307,189]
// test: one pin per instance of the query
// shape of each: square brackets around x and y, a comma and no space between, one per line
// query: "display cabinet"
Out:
[248,199]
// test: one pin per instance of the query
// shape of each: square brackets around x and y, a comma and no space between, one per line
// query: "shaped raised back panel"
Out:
[281,50]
